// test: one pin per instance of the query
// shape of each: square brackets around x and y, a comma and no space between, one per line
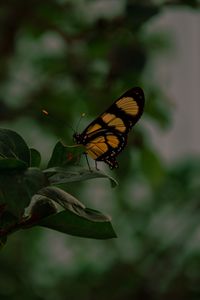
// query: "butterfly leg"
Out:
[87,162]
[96,166]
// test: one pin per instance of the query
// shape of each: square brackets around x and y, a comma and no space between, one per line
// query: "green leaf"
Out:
[11,164]
[63,198]
[17,188]
[12,145]
[73,224]
[13,193]
[35,158]
[64,155]
[76,219]
[42,207]
[34,180]
[58,175]
[69,202]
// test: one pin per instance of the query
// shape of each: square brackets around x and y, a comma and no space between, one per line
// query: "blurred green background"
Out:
[71,57]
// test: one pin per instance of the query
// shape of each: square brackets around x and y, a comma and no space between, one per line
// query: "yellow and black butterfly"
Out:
[106,136]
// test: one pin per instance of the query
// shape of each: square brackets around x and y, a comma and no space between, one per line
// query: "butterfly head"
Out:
[77,138]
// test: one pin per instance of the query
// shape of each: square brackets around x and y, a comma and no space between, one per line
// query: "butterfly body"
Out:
[106,136]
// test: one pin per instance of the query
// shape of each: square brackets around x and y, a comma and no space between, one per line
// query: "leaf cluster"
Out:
[30,196]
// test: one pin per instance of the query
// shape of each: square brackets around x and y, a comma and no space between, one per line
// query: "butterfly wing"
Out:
[129,107]
[105,147]
[106,136]
[121,115]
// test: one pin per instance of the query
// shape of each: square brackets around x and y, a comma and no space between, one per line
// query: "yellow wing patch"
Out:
[93,128]
[113,141]
[112,120]
[128,105]
[101,144]
[97,147]
[108,117]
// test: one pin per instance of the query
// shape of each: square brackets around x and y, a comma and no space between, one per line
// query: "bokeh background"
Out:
[71,57]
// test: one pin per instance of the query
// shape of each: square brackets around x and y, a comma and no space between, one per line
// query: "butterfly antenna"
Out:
[79,121]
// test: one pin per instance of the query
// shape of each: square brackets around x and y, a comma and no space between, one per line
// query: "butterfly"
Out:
[105,137]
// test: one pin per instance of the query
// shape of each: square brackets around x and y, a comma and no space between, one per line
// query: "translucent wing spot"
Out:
[112,120]
[128,105]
